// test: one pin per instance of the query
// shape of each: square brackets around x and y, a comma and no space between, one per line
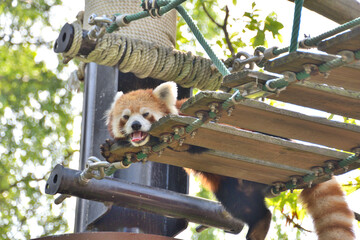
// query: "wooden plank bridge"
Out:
[256,141]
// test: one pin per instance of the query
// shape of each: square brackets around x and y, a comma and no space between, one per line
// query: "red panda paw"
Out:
[260,229]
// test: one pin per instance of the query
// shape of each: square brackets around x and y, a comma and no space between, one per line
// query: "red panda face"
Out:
[131,115]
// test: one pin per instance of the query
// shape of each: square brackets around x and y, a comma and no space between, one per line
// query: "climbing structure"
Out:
[246,138]
[275,146]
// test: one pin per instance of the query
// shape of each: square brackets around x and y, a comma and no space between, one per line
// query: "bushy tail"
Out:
[333,219]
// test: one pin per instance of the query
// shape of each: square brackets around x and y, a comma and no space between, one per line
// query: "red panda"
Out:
[131,116]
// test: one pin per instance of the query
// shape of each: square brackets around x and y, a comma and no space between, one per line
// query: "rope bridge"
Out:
[228,115]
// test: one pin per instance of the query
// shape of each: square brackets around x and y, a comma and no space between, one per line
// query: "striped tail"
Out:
[333,219]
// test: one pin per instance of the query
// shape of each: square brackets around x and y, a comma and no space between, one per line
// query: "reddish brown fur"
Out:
[331,214]
[133,101]
[137,99]
[208,180]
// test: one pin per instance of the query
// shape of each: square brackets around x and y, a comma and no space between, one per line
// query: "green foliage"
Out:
[352,186]
[207,234]
[270,24]
[209,26]
[36,124]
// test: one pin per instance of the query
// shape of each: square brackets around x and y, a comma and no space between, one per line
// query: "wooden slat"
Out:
[321,98]
[258,116]
[237,153]
[222,163]
[340,11]
[346,77]
[349,40]
[212,163]
[250,144]
[309,94]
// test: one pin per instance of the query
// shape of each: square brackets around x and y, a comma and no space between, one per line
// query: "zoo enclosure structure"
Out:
[298,77]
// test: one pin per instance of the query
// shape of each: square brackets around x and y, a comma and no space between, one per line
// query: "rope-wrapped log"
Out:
[144,59]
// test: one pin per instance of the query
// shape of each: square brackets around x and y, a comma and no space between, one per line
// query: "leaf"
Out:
[258,40]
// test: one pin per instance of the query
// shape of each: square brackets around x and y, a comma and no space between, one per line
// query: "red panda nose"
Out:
[136,125]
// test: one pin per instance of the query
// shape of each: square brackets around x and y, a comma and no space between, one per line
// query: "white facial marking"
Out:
[116,127]
[126,112]
[145,124]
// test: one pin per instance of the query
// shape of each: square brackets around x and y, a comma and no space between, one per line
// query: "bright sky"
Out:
[311,24]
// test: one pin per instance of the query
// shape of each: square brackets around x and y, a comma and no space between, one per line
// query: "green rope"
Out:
[312,42]
[167,5]
[296,25]
[309,178]
[331,64]
[276,84]
[349,160]
[315,40]
[219,64]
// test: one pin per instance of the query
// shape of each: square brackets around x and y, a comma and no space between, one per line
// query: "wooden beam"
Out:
[258,116]
[339,11]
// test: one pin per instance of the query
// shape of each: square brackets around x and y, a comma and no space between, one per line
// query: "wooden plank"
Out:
[340,11]
[210,162]
[258,116]
[349,40]
[250,144]
[231,165]
[311,97]
[346,77]
[294,61]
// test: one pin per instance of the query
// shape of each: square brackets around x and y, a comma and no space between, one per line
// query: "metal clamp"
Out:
[120,20]
[347,56]
[239,64]
[99,26]
[95,168]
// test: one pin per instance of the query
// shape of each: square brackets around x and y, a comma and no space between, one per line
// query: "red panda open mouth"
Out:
[138,136]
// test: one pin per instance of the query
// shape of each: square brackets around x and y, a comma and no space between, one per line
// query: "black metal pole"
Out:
[130,195]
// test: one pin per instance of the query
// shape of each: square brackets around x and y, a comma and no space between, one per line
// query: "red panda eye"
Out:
[146,114]
[126,117]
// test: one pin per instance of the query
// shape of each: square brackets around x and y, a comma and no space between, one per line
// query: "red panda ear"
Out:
[118,95]
[167,92]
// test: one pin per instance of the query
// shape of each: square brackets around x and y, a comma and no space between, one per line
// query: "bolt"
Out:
[230,110]
[160,152]
[176,130]
[61,198]
[193,134]
[330,165]
[165,138]
[200,115]
[213,107]
[128,157]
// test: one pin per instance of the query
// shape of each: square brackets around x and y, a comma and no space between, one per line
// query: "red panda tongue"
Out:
[137,136]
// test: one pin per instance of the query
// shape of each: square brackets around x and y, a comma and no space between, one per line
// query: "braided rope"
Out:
[146,59]
[75,46]
[296,25]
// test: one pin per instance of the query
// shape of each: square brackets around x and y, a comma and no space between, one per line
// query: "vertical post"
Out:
[101,85]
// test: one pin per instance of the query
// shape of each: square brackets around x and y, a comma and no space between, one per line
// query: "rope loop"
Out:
[152,7]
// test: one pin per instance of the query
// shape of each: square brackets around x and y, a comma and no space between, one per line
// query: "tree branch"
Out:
[211,18]
[291,220]
[222,26]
